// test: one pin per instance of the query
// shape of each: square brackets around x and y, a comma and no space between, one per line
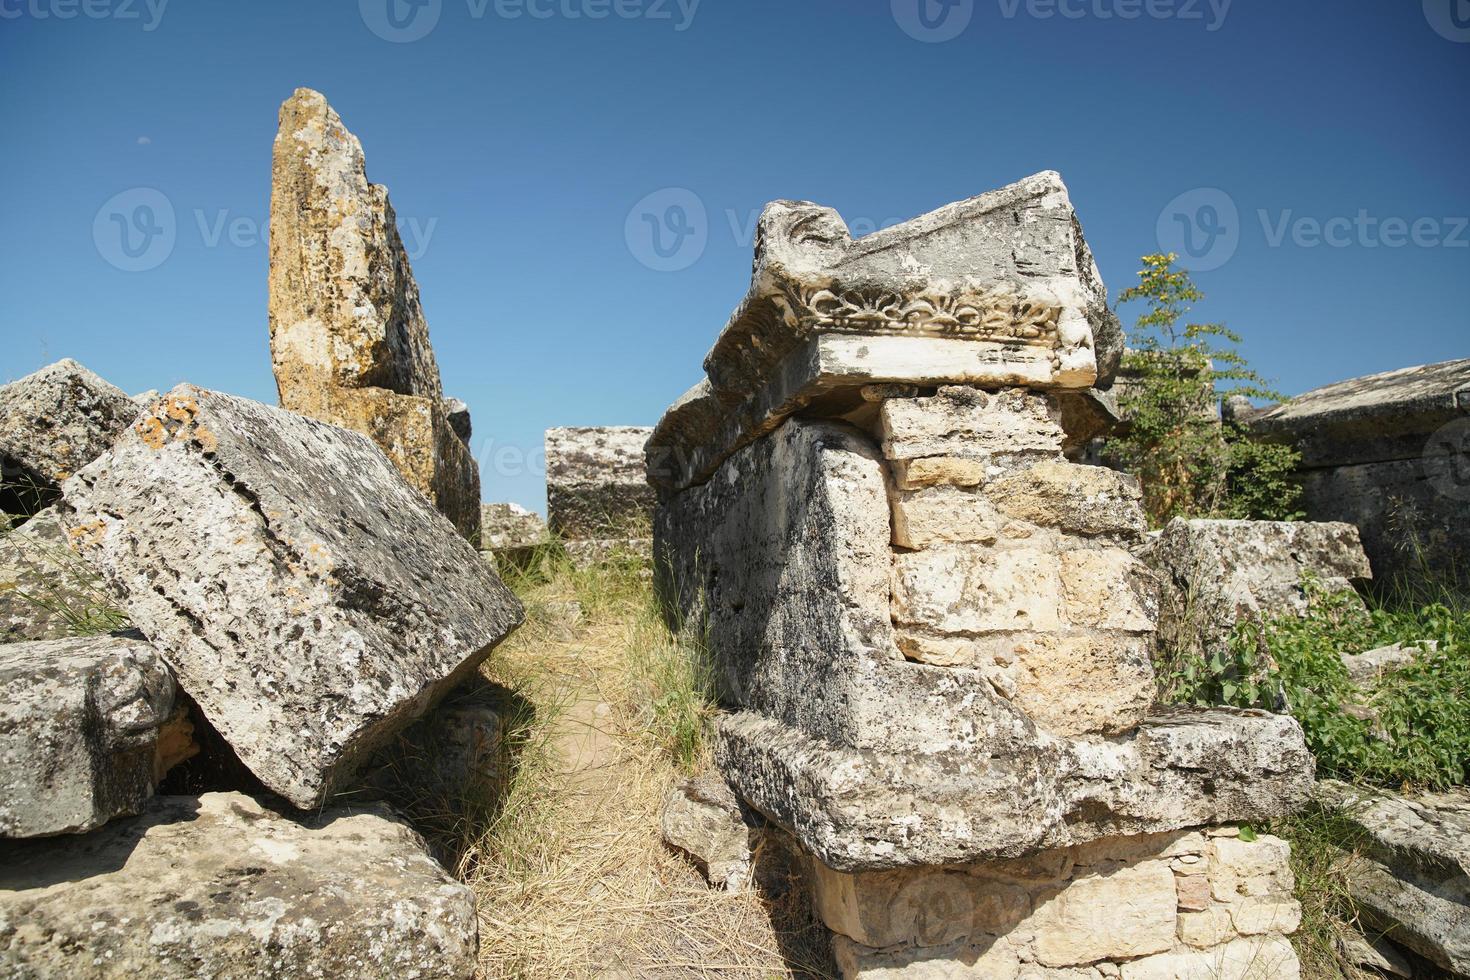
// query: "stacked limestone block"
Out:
[928,626]
[349,342]
[598,500]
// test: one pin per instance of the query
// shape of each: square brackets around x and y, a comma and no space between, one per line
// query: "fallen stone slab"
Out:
[47,591]
[1411,878]
[349,341]
[52,423]
[1218,574]
[1366,669]
[87,728]
[310,600]
[998,290]
[222,886]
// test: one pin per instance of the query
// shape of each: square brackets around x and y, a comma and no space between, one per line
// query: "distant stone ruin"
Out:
[349,342]
[1390,453]
[929,626]
[598,499]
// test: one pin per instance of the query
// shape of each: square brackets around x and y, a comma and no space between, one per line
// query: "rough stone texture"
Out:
[1412,880]
[703,818]
[1216,574]
[596,487]
[1118,905]
[997,290]
[510,530]
[39,577]
[349,342]
[1366,669]
[52,423]
[221,886]
[87,727]
[872,761]
[459,418]
[312,603]
[1389,453]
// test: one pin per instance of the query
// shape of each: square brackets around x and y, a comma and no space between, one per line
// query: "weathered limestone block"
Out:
[510,531]
[52,423]
[311,601]
[1119,904]
[1003,429]
[349,342]
[783,560]
[703,818]
[221,886]
[999,290]
[596,486]
[87,728]
[1389,453]
[1412,879]
[42,579]
[1217,574]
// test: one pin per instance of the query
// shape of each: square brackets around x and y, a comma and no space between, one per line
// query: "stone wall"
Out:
[1389,453]
[598,499]
[929,627]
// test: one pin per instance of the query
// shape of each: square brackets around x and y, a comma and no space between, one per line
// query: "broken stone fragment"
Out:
[221,886]
[312,602]
[52,423]
[510,531]
[349,342]
[459,419]
[999,290]
[1215,575]
[1411,877]
[703,818]
[87,728]
[1366,669]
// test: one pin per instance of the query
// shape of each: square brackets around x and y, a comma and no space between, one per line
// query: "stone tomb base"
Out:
[1177,906]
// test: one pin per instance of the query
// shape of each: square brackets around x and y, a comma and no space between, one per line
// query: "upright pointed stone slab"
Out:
[349,342]
[310,600]
[998,290]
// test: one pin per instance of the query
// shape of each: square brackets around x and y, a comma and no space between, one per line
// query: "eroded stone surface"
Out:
[310,600]
[54,422]
[997,290]
[349,342]
[82,732]
[41,579]
[596,486]
[510,530]
[221,886]
[1216,574]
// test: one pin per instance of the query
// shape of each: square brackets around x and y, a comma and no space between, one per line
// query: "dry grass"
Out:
[572,874]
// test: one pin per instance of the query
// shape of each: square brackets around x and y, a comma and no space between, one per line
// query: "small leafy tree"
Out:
[1189,462]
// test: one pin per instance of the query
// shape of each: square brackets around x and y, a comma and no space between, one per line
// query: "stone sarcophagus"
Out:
[929,626]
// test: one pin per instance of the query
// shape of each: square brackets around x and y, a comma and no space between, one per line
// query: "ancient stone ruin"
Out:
[1389,453]
[349,342]
[930,627]
[598,499]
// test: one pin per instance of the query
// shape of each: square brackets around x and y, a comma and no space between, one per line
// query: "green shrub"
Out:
[1412,726]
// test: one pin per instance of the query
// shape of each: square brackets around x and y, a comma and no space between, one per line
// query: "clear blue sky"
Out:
[522,145]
